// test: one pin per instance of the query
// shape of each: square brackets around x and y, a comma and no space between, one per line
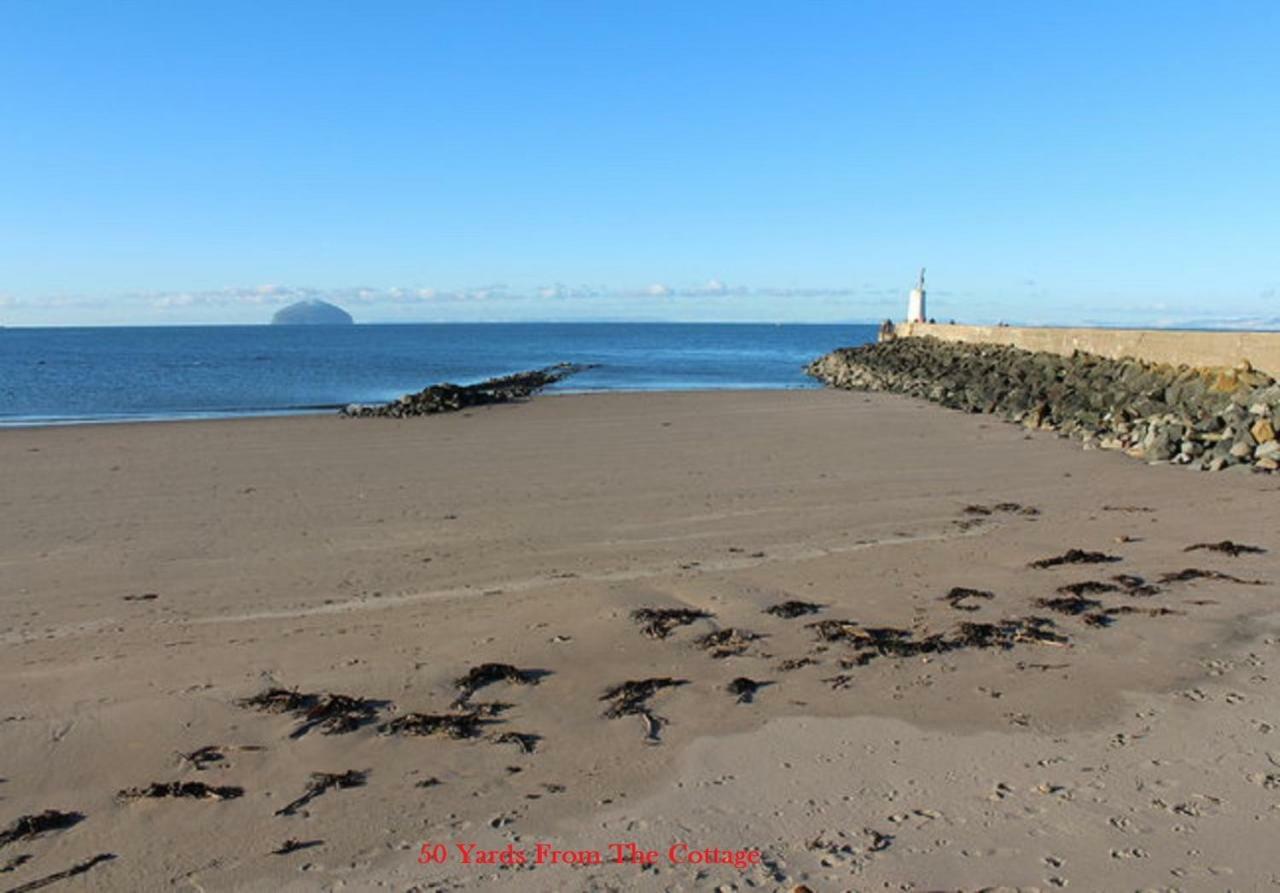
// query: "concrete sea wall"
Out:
[1176,348]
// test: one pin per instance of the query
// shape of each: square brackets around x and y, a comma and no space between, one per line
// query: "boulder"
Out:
[1212,418]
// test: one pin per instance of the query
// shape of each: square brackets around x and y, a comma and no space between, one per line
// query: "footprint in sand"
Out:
[1131,853]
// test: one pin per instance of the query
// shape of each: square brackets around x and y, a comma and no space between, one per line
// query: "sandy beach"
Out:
[157,575]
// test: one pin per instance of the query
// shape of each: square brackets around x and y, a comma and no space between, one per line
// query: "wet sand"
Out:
[156,575]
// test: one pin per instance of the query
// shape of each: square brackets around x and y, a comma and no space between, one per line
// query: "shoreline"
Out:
[126,373]
[182,568]
[335,409]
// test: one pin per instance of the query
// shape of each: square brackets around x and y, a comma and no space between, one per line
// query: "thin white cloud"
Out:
[714,298]
[175,304]
[277,295]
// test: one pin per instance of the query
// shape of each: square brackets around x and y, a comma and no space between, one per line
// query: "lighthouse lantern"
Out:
[915,304]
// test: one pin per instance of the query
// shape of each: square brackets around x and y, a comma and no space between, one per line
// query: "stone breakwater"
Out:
[452,397]
[1208,418]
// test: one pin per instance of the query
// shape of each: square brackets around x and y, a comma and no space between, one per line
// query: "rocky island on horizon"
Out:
[313,312]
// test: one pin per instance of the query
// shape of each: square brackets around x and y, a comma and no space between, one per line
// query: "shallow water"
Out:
[55,376]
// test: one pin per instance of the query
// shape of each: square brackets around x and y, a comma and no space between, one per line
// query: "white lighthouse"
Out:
[915,304]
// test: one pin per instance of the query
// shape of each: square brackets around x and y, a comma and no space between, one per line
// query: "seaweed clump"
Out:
[27,827]
[631,698]
[279,700]
[1107,616]
[1076,556]
[728,642]
[190,790]
[78,869]
[744,689]
[1195,573]
[1227,547]
[1135,585]
[1148,612]
[877,641]
[658,623]
[873,642]
[292,845]
[15,862]
[1069,604]
[1087,587]
[489,673]
[793,608]
[337,715]
[526,741]
[323,781]
[203,757]
[1007,507]
[959,597]
[333,714]
[1007,633]
[462,725]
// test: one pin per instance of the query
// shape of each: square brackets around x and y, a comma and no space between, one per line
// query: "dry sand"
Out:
[383,559]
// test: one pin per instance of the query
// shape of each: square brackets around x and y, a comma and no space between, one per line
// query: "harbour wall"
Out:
[1175,347]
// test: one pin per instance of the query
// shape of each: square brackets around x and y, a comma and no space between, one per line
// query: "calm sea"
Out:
[53,376]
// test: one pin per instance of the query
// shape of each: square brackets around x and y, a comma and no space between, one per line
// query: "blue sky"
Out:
[196,162]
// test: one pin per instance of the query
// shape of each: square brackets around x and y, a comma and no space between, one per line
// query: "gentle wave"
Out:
[74,376]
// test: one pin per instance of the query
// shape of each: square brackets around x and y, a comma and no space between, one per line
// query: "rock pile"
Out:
[1210,418]
[451,397]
